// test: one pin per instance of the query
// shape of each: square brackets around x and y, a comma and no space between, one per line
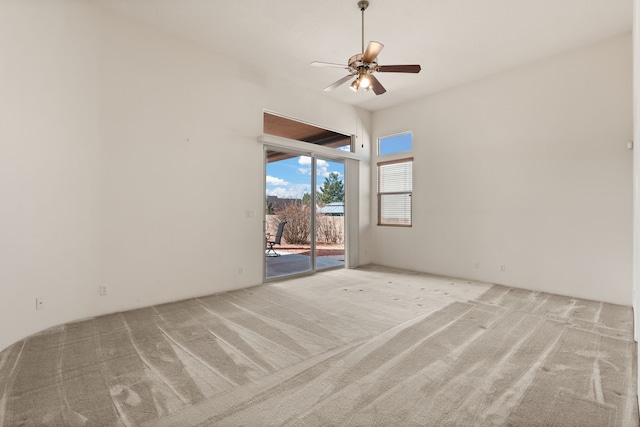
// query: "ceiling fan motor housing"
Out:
[356,63]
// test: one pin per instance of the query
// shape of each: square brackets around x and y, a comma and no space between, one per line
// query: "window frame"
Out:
[386,193]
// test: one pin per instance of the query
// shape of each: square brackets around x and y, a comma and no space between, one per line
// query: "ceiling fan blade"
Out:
[398,68]
[338,83]
[328,64]
[377,87]
[373,49]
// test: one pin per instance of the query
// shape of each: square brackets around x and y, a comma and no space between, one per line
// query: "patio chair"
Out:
[276,240]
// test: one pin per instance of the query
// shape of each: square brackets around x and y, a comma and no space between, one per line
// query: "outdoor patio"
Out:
[299,261]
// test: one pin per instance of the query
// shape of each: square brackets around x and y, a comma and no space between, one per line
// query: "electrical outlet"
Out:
[39,303]
[503,267]
[240,270]
[104,290]
[476,264]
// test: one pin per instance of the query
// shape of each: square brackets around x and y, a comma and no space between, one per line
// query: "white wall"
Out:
[529,169]
[50,166]
[129,158]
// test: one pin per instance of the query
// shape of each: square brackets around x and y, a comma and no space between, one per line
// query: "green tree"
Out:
[306,198]
[332,189]
[268,207]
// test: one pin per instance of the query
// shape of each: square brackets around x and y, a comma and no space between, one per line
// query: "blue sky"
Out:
[291,178]
[395,144]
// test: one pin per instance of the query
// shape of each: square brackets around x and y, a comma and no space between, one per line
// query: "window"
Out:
[395,144]
[395,185]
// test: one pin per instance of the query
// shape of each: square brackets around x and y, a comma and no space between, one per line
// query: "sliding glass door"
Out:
[329,227]
[304,213]
[288,183]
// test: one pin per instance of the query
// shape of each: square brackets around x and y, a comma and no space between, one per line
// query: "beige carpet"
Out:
[364,347]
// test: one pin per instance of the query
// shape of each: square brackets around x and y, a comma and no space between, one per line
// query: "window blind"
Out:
[395,186]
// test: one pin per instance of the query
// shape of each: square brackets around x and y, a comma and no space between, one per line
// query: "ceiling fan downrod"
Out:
[363,5]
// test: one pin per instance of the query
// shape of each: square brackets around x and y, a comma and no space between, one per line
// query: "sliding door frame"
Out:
[349,160]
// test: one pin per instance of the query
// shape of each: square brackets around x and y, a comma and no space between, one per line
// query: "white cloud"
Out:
[272,180]
[322,167]
[304,161]
[291,192]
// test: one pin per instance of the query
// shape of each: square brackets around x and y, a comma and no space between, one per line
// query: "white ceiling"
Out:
[455,41]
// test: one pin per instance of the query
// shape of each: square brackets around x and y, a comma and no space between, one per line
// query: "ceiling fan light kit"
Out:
[363,65]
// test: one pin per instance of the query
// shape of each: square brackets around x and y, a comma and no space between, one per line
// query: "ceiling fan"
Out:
[363,65]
